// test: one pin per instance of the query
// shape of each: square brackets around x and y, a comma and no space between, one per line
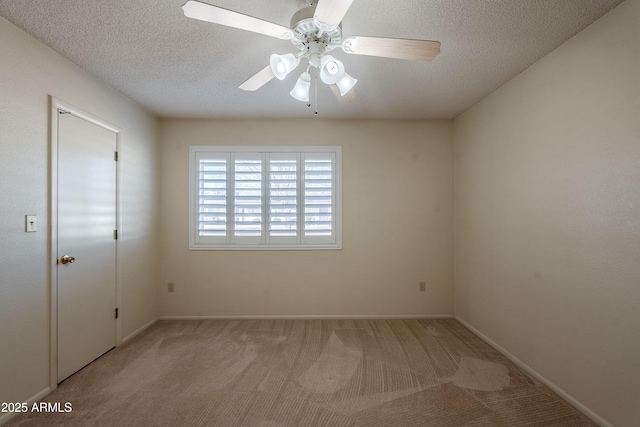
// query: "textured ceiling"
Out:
[180,67]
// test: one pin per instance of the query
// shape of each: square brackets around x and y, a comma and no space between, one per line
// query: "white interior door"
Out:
[86,252]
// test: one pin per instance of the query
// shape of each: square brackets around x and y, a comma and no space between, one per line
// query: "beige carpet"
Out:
[276,373]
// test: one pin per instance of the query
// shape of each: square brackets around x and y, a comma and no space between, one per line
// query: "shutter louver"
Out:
[248,197]
[212,204]
[318,196]
[283,197]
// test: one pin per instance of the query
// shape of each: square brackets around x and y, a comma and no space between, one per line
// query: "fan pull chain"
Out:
[311,76]
[315,95]
[314,77]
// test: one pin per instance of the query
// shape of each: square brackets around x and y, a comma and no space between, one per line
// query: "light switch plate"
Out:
[30,223]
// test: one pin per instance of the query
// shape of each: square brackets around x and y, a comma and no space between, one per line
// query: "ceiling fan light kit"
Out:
[331,70]
[345,84]
[281,65]
[315,31]
[301,90]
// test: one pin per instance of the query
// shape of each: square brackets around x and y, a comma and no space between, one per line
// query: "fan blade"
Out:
[217,15]
[418,50]
[331,12]
[258,80]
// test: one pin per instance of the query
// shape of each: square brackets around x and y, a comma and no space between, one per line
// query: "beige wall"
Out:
[397,222]
[30,73]
[547,217]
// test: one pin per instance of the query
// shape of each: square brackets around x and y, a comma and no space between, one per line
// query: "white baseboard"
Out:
[579,406]
[33,399]
[139,330]
[312,317]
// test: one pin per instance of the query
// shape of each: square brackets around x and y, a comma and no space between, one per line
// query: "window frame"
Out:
[266,241]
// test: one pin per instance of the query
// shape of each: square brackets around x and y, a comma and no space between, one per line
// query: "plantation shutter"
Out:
[212,197]
[283,197]
[264,198]
[248,198]
[319,197]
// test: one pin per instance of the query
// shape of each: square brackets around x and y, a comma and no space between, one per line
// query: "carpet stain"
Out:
[333,369]
[481,375]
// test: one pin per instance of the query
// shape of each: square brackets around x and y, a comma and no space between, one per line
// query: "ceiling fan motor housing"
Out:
[307,31]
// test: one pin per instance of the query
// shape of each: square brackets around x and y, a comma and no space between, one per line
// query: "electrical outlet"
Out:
[422,286]
[171,287]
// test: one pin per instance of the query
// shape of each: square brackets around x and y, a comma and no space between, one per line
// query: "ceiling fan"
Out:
[315,31]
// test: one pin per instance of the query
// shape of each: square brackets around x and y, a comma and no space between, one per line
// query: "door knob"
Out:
[66,259]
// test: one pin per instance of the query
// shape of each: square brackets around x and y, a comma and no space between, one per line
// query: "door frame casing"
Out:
[55,105]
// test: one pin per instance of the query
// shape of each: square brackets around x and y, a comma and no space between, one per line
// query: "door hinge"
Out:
[116,313]
[115,234]
[115,156]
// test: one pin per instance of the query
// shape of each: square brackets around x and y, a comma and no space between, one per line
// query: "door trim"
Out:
[54,106]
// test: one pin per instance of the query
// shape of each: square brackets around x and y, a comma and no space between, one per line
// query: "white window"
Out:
[265,197]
